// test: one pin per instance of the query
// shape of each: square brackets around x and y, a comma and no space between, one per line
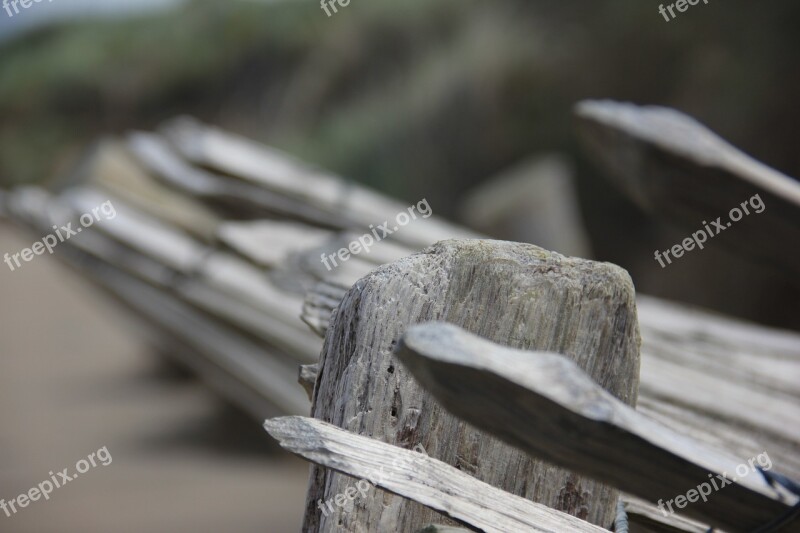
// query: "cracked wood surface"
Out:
[514,293]
[544,404]
[413,475]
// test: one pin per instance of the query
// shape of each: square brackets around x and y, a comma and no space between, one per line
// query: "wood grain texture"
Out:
[729,383]
[545,405]
[208,273]
[644,517]
[307,377]
[254,376]
[676,168]
[517,294]
[205,322]
[114,169]
[414,476]
[351,205]
[732,384]
[320,302]
[224,193]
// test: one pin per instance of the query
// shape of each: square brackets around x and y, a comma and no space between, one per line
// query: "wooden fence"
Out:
[542,388]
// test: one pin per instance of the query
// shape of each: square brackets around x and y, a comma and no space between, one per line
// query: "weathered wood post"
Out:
[514,294]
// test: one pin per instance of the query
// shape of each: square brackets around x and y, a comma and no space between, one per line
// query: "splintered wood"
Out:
[544,404]
[428,481]
[216,249]
[515,294]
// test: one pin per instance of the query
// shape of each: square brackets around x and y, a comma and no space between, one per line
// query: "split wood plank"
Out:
[415,476]
[112,167]
[219,271]
[646,517]
[224,193]
[353,205]
[674,167]
[732,384]
[545,405]
[307,377]
[706,354]
[251,375]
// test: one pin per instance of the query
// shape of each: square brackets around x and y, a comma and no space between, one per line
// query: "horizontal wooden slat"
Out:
[755,367]
[730,383]
[420,478]
[545,405]
[351,204]
[676,168]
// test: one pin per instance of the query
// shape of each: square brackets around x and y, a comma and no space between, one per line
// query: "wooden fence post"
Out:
[514,294]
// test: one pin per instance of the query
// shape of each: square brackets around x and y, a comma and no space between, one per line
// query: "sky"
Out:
[48,11]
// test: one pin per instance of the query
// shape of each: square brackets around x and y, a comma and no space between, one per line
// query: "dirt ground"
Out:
[74,378]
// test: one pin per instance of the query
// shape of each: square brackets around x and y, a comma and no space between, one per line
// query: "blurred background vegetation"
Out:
[424,99]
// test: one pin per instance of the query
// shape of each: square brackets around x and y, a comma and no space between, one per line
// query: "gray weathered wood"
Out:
[746,367]
[269,243]
[514,293]
[225,193]
[732,384]
[413,475]
[675,167]
[353,206]
[545,405]
[320,302]
[195,316]
[251,375]
[113,168]
[729,383]
[437,528]
[645,517]
[307,378]
[218,271]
